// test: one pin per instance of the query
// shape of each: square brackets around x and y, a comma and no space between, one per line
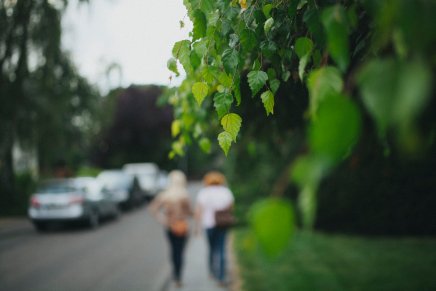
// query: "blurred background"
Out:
[83,92]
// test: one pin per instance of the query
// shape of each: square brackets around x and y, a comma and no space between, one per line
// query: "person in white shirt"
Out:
[214,196]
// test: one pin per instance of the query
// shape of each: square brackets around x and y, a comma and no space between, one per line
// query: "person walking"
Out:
[214,196]
[172,208]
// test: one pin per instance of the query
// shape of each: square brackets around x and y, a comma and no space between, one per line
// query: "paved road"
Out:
[128,254]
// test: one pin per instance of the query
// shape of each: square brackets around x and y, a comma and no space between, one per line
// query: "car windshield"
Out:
[56,187]
[114,180]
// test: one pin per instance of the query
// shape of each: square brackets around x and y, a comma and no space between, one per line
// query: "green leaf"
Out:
[307,173]
[182,51]
[222,102]
[232,124]
[335,24]
[225,140]
[303,49]
[286,75]
[220,88]
[321,83]
[268,48]
[336,128]
[209,74]
[303,46]
[414,90]
[268,101]
[302,66]
[266,9]
[200,47]
[172,66]
[199,29]
[307,203]
[230,60]
[226,27]
[195,60]
[256,80]
[268,24]
[234,40]
[200,90]
[175,128]
[225,80]
[207,6]
[213,17]
[237,90]
[256,65]
[178,46]
[271,74]
[313,21]
[248,40]
[274,85]
[292,10]
[399,96]
[273,223]
[178,147]
[205,145]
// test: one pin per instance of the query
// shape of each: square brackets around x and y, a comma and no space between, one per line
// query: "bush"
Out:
[88,172]
[16,203]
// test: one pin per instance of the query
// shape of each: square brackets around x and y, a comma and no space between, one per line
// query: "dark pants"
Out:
[177,245]
[217,251]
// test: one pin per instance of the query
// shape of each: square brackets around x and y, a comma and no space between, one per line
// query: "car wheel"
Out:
[116,213]
[40,226]
[93,220]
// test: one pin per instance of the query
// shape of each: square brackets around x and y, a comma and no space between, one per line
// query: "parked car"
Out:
[162,180]
[147,175]
[123,186]
[70,200]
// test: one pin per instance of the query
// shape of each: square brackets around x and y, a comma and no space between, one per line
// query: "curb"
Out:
[235,275]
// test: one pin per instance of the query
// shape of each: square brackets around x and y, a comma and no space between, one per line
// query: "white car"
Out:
[123,186]
[70,200]
[147,175]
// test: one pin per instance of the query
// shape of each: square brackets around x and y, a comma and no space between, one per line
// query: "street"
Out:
[127,254]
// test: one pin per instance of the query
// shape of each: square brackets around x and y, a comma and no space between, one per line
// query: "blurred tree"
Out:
[135,128]
[44,101]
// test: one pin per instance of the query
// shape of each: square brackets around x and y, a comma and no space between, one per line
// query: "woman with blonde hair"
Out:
[214,196]
[172,208]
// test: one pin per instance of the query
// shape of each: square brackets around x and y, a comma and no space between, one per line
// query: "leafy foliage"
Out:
[354,58]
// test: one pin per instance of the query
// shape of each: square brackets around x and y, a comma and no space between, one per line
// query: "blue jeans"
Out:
[217,251]
[177,246]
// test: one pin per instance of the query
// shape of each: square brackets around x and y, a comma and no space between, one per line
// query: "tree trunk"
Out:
[6,166]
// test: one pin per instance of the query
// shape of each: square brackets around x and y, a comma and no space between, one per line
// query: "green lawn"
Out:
[339,262]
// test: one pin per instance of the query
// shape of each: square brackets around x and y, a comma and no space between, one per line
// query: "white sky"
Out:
[136,34]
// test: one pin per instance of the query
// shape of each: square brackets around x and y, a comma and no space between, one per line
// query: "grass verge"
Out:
[338,262]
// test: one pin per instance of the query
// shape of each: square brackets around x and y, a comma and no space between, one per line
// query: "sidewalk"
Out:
[195,273]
